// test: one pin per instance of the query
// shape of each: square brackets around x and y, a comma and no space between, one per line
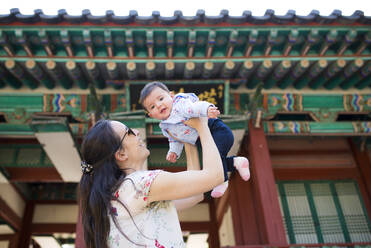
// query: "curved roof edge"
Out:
[200,18]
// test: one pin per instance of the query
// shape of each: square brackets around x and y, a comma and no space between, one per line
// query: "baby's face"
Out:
[159,104]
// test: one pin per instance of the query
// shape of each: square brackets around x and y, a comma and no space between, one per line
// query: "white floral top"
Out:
[154,225]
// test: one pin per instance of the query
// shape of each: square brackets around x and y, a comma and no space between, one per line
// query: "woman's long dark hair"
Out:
[96,188]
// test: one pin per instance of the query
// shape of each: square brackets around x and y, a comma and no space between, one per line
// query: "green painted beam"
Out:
[16,129]
[19,108]
[316,128]
[316,103]
[48,125]
[23,155]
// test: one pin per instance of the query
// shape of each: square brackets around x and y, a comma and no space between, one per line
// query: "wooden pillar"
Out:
[270,221]
[13,242]
[25,233]
[363,162]
[79,240]
[214,230]
[11,238]
[243,208]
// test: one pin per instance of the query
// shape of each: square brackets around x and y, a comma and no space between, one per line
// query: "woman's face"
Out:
[132,144]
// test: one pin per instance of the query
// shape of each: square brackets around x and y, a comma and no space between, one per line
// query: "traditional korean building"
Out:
[294,89]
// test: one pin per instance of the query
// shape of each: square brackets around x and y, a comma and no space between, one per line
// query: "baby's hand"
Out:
[213,112]
[171,157]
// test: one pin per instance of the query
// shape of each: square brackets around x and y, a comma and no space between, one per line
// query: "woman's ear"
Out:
[121,155]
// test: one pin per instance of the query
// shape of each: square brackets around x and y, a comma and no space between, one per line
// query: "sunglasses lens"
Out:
[130,131]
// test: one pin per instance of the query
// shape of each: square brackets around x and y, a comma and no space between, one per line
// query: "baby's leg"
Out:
[219,190]
[242,166]
[223,138]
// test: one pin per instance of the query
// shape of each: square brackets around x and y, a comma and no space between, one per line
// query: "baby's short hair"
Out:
[148,88]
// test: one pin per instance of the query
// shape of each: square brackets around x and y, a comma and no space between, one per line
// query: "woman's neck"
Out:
[132,166]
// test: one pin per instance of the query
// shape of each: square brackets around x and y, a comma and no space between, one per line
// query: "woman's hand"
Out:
[197,123]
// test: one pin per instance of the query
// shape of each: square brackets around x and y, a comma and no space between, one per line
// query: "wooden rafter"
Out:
[9,215]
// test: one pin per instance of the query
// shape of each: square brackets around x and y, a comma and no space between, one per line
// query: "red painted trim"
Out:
[47,174]
[113,102]
[50,228]
[265,102]
[7,214]
[264,188]
[332,173]
[6,236]
[308,152]
[50,103]
[84,103]
[195,226]
[59,202]
[236,101]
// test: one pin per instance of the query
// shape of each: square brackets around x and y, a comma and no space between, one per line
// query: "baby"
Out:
[173,110]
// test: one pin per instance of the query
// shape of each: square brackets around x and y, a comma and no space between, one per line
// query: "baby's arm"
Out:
[198,109]
[175,150]
[175,147]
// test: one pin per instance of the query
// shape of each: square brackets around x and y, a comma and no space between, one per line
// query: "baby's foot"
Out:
[242,165]
[219,190]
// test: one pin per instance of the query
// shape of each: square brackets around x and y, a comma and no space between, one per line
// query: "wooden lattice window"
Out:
[323,212]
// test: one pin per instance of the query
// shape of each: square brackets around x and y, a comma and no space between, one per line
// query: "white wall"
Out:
[226,232]
[50,213]
[12,198]
[200,212]
[4,244]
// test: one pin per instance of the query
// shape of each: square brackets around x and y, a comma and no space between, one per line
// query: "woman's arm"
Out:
[193,163]
[172,186]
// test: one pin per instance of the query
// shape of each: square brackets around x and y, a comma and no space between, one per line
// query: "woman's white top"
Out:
[151,225]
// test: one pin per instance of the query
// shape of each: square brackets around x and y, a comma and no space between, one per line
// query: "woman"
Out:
[123,205]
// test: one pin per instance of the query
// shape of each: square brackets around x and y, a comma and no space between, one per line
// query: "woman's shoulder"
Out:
[135,187]
[142,174]
[142,179]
